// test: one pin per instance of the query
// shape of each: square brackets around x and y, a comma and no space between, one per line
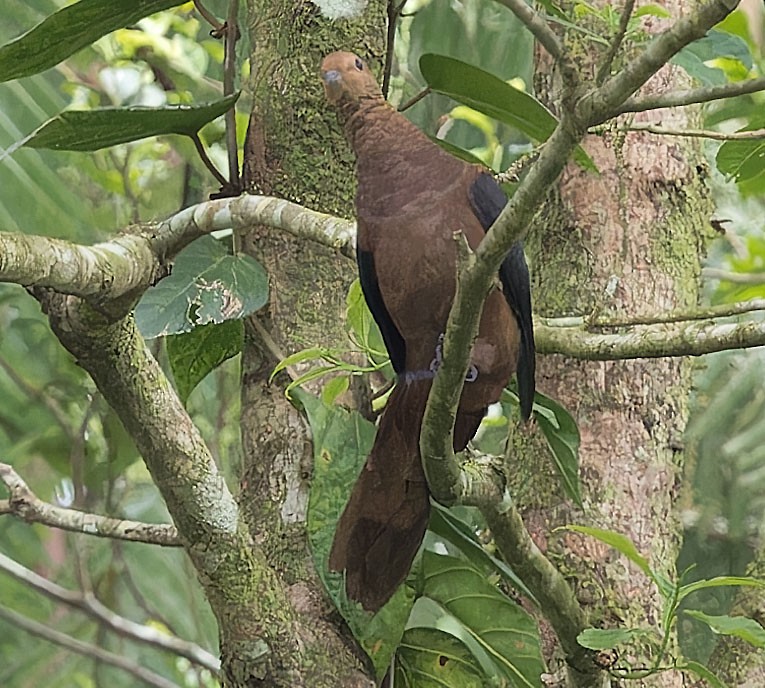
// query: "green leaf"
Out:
[430,658]
[492,96]
[334,388]
[360,321]
[499,626]
[70,29]
[91,130]
[342,440]
[197,353]
[716,44]
[703,672]
[562,435]
[452,529]
[207,285]
[619,542]
[743,161]
[607,638]
[719,582]
[739,626]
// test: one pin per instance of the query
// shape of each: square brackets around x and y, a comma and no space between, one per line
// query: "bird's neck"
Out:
[395,161]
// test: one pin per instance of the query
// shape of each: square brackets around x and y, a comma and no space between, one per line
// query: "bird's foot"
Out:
[435,364]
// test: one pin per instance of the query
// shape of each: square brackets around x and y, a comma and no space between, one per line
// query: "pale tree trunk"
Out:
[625,243]
[295,150]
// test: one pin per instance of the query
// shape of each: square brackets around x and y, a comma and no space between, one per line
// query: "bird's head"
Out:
[347,79]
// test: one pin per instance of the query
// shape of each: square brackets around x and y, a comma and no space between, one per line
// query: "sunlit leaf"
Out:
[720,582]
[715,44]
[70,29]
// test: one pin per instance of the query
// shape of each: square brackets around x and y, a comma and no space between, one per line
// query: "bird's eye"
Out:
[359,64]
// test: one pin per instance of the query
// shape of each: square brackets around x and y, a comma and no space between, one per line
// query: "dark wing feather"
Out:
[487,200]
[394,342]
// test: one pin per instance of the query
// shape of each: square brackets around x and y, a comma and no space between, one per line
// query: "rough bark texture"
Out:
[296,151]
[625,243]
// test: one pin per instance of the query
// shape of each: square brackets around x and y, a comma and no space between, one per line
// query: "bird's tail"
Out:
[383,524]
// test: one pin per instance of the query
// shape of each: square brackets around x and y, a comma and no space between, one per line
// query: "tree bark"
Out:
[624,243]
[296,150]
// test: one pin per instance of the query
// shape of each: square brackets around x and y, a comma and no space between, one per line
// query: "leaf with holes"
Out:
[430,658]
[207,285]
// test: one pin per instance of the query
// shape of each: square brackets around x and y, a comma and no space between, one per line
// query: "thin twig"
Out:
[229,73]
[414,99]
[208,16]
[126,628]
[86,649]
[713,312]
[207,162]
[605,69]
[26,505]
[693,96]
[752,135]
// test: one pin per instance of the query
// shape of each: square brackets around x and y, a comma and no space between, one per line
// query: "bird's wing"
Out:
[394,342]
[487,201]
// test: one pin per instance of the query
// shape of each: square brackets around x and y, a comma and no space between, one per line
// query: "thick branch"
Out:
[129,263]
[237,579]
[24,504]
[550,588]
[126,628]
[603,103]
[86,649]
[693,96]
[693,338]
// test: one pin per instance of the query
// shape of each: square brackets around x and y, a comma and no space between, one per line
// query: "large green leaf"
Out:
[69,30]
[91,130]
[341,441]
[431,658]
[195,354]
[489,94]
[502,629]
[207,285]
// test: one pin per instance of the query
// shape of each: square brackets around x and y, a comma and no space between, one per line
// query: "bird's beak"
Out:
[333,84]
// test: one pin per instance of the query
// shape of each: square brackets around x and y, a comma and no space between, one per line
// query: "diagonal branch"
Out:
[616,42]
[80,647]
[604,102]
[24,504]
[126,628]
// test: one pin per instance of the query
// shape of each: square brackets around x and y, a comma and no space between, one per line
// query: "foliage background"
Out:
[69,446]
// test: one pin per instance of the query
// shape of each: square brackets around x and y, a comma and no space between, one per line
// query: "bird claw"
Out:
[435,364]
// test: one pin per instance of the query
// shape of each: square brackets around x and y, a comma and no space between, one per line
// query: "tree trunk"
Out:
[296,150]
[619,245]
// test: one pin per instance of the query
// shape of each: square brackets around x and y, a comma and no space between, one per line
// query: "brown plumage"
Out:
[411,197]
